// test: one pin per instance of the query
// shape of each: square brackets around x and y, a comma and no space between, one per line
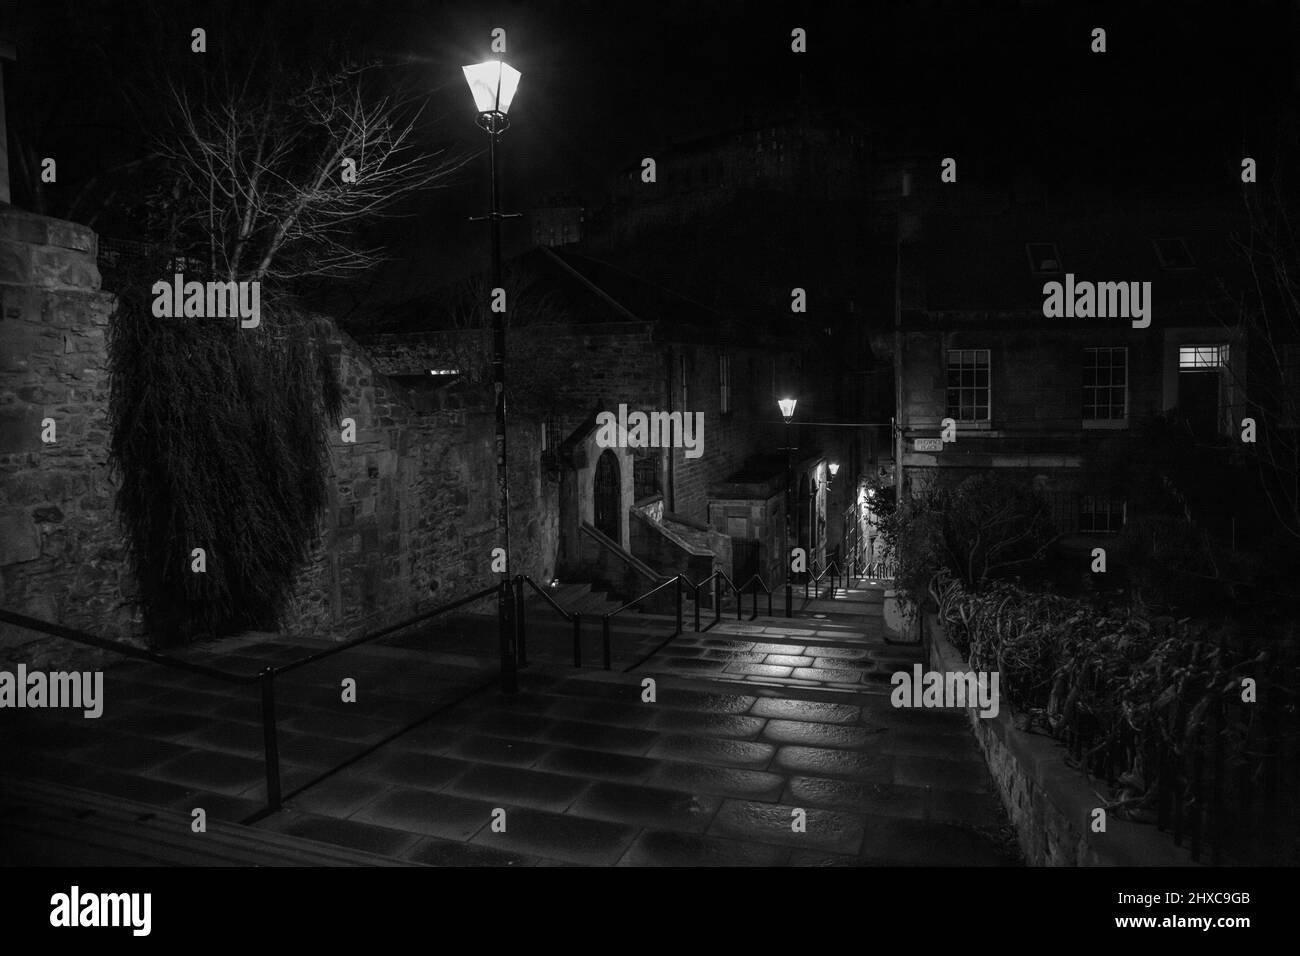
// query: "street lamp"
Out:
[835,468]
[787,412]
[493,84]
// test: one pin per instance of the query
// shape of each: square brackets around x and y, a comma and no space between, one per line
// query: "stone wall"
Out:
[1051,804]
[411,517]
[597,367]
[667,552]
[411,521]
[62,557]
[614,569]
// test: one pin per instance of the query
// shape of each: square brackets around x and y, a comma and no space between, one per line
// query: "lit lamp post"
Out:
[493,84]
[787,412]
[834,469]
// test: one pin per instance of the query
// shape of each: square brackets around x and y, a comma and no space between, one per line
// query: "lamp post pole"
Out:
[493,85]
[499,348]
[787,406]
[789,500]
[506,612]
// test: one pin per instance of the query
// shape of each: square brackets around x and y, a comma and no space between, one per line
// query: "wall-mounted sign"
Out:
[927,444]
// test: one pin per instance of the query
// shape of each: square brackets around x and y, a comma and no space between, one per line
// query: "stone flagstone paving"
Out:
[586,772]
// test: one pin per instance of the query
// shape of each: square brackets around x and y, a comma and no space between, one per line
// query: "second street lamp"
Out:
[787,412]
[493,84]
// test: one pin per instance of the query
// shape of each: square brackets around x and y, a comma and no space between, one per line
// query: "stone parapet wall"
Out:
[1051,804]
[62,556]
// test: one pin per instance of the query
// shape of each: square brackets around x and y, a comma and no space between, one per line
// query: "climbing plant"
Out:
[217,444]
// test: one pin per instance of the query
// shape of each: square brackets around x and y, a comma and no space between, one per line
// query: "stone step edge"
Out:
[167,833]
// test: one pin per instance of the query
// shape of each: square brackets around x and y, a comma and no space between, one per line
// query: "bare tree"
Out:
[273,180]
[1267,316]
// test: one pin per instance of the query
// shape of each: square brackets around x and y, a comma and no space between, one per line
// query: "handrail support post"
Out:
[505,627]
[521,637]
[270,739]
[678,579]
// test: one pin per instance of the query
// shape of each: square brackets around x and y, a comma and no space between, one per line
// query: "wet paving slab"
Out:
[670,848]
[566,837]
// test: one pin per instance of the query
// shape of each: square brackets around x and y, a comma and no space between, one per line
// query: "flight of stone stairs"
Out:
[705,764]
[575,596]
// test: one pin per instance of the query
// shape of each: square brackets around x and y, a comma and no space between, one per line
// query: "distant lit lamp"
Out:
[787,412]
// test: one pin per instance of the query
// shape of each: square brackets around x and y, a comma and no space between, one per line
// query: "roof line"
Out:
[645,280]
[592,286]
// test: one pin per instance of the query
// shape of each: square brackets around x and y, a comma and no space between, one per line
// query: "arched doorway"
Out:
[608,497]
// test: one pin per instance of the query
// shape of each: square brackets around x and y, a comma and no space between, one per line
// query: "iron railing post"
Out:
[270,740]
[604,640]
[678,579]
[577,638]
[505,628]
[769,600]
[696,592]
[717,599]
[789,600]
[521,624]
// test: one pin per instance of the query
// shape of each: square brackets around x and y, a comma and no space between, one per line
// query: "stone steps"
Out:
[50,824]
[586,770]
[589,773]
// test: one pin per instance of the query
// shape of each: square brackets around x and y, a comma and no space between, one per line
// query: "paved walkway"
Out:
[585,771]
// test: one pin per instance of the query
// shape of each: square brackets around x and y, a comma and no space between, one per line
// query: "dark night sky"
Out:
[1003,85]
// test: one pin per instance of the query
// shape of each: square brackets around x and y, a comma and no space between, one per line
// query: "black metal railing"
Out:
[681,583]
[266,677]
[754,584]
[606,650]
[814,579]
[573,617]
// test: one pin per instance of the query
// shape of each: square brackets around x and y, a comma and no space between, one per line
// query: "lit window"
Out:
[1043,258]
[969,391]
[1202,356]
[1105,385]
[1204,390]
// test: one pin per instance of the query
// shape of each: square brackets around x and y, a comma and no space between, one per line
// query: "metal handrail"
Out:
[651,593]
[266,677]
[761,584]
[383,632]
[567,615]
[126,650]
[676,580]
[815,578]
[680,582]
[573,617]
